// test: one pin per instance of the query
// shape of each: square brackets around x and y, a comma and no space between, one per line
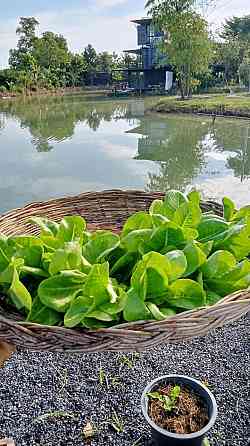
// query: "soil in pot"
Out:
[177,409]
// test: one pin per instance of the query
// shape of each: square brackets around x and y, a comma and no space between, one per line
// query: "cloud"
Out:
[109,3]
[99,24]
[220,11]
[110,33]
[8,39]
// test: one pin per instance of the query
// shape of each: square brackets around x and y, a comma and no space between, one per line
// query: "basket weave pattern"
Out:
[108,210]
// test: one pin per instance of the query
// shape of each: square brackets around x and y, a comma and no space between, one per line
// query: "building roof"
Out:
[142,21]
[137,51]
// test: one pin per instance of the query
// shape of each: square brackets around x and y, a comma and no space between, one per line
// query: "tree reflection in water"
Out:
[181,148]
[179,145]
[55,118]
[177,149]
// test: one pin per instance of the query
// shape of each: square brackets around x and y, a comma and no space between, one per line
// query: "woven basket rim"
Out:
[129,336]
[90,193]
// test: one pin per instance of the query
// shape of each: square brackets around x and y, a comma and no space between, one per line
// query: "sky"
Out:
[103,23]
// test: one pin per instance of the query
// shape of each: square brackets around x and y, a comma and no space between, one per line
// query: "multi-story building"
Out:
[151,65]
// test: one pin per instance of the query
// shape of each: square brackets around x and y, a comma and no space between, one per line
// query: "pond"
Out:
[57,146]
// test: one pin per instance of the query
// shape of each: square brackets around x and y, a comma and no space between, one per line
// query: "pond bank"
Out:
[232,106]
[55,92]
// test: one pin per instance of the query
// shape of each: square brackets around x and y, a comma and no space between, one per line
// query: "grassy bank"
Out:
[215,105]
[55,92]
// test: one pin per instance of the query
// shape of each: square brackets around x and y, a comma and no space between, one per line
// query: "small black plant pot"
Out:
[164,438]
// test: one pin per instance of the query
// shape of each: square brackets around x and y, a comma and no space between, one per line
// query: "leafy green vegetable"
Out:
[195,258]
[186,293]
[228,208]
[133,241]
[188,215]
[234,279]
[48,227]
[77,311]
[236,239]
[160,313]
[19,293]
[157,208]
[6,277]
[5,253]
[101,244]
[139,220]
[168,401]
[178,262]
[37,272]
[135,308]
[212,297]
[166,237]
[242,214]
[41,314]
[210,227]
[30,249]
[58,292]
[217,264]
[173,200]
[150,278]
[71,229]
[99,286]
[67,257]
[194,197]
[171,259]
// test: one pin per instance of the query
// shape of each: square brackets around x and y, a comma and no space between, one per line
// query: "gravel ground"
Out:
[47,399]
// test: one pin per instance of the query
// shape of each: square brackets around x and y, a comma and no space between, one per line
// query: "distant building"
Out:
[151,66]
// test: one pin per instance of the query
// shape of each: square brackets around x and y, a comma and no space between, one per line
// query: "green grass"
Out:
[214,104]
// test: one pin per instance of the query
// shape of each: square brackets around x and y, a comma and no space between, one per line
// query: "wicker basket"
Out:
[109,209]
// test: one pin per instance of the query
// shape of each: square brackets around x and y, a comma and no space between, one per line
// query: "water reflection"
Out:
[55,118]
[81,143]
[176,146]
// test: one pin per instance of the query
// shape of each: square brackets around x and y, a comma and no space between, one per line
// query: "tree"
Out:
[52,55]
[26,32]
[229,54]
[186,44]
[51,50]
[75,69]
[91,59]
[244,71]
[237,27]
[8,76]
[234,48]
[160,9]
[105,62]
[187,47]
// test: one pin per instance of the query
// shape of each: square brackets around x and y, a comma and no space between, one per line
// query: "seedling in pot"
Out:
[177,409]
[168,401]
[180,410]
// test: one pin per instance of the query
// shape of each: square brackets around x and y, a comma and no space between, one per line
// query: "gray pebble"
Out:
[46,399]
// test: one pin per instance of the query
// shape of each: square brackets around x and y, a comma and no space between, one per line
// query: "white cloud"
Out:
[104,32]
[109,3]
[8,39]
[110,33]
[222,10]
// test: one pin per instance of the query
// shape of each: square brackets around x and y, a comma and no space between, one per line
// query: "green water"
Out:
[56,146]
